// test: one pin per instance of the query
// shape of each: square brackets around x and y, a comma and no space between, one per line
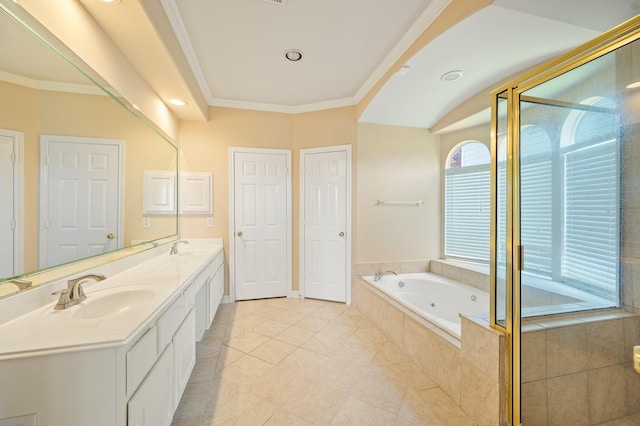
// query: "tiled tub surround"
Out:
[467,369]
[577,369]
[467,273]
[440,300]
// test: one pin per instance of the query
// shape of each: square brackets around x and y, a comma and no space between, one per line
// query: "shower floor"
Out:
[298,362]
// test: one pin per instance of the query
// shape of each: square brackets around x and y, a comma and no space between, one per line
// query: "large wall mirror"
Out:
[76,161]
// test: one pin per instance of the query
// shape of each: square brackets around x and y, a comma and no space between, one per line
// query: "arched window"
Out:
[467,202]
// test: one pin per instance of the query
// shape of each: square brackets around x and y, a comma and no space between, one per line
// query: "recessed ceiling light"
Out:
[633,85]
[451,75]
[403,70]
[177,102]
[110,1]
[294,55]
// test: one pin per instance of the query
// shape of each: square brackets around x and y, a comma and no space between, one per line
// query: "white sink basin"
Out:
[113,303]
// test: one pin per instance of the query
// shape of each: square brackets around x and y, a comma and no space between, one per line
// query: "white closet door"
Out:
[325,225]
[261,217]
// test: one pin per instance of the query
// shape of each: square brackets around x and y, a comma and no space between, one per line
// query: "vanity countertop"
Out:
[148,288]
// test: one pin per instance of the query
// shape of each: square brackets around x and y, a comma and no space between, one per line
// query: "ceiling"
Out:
[489,46]
[231,52]
[236,48]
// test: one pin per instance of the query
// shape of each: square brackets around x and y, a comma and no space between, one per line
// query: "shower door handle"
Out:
[519,257]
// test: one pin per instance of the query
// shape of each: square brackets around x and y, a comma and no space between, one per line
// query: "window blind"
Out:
[590,258]
[467,212]
[536,203]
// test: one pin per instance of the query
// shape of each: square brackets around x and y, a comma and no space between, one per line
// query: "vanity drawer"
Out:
[140,359]
[170,321]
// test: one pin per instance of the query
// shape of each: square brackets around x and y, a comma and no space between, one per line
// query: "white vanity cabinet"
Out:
[136,381]
[152,404]
[157,398]
[209,295]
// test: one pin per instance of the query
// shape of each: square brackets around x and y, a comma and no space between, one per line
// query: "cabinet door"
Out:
[202,315]
[184,352]
[216,290]
[152,404]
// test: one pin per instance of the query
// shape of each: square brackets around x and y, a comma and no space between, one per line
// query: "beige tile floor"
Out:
[306,362]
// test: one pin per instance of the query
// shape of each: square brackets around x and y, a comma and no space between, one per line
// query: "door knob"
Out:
[239,233]
[341,234]
[110,236]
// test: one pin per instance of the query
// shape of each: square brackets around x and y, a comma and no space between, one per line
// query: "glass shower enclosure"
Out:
[566,234]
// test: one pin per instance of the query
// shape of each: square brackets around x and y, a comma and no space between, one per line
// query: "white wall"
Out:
[402,164]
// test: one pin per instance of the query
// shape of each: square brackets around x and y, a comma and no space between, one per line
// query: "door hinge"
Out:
[13,225]
[13,157]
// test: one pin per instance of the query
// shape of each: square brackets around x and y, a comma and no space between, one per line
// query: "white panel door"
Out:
[10,192]
[82,199]
[261,211]
[325,225]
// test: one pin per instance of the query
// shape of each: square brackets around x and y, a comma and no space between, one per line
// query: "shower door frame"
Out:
[609,41]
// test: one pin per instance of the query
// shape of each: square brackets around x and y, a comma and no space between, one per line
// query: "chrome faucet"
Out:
[174,246]
[74,293]
[22,284]
[379,275]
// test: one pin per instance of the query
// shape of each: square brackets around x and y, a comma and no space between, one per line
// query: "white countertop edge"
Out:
[212,245]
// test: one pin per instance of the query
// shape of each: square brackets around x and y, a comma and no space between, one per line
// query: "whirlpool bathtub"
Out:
[437,299]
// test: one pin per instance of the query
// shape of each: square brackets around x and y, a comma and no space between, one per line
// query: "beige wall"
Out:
[204,146]
[402,164]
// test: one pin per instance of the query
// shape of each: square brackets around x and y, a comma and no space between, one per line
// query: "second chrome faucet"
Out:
[174,246]
[74,293]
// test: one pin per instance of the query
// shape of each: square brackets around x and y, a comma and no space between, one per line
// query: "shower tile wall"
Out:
[578,370]
[630,225]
